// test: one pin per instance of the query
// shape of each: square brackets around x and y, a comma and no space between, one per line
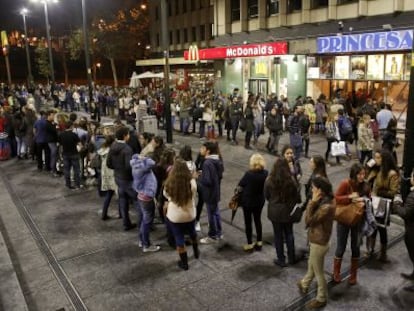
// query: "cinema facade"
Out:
[373,64]
[259,68]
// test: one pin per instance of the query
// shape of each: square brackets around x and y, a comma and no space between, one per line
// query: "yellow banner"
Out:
[4,40]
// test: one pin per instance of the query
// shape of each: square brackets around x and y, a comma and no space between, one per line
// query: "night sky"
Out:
[64,16]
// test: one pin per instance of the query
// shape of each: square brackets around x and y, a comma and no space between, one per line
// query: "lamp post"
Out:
[49,42]
[24,12]
[87,56]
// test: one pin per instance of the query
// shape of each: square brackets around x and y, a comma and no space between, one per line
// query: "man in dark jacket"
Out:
[274,123]
[69,142]
[118,159]
[210,182]
[52,138]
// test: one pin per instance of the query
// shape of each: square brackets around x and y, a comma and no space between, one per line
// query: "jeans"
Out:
[214,220]
[53,156]
[342,232]
[107,201]
[21,146]
[382,232]
[147,210]
[316,261]
[257,129]
[126,194]
[328,151]
[179,229]
[273,142]
[283,232]
[200,203]
[256,212]
[40,148]
[202,128]
[234,128]
[69,162]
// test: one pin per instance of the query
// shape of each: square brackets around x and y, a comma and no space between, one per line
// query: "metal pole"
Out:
[26,43]
[87,56]
[408,156]
[49,44]
[166,47]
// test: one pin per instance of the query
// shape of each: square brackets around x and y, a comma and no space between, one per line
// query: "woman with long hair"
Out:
[386,185]
[252,200]
[280,191]
[319,217]
[389,140]
[318,169]
[293,164]
[180,189]
[249,116]
[365,143]
[353,189]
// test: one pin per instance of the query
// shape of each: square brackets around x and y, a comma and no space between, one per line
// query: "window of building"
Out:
[201,4]
[253,8]
[171,37]
[294,5]
[319,3]
[185,35]
[210,31]
[272,7]
[169,8]
[178,36]
[202,32]
[193,5]
[346,1]
[157,13]
[235,10]
[177,7]
[184,6]
[157,39]
[194,34]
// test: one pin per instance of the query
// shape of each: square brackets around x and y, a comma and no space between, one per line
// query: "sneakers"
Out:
[140,244]
[280,263]
[258,246]
[302,289]
[248,248]
[316,304]
[208,240]
[151,248]
[198,226]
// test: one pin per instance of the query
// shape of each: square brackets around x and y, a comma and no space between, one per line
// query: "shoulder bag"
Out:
[349,214]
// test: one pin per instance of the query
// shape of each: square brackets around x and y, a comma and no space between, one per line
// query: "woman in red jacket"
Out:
[352,189]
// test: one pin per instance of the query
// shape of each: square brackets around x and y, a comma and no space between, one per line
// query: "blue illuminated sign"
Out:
[366,42]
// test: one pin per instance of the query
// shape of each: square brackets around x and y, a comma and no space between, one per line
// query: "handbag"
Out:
[349,214]
[338,149]
[296,213]
[235,199]
[381,208]
[243,124]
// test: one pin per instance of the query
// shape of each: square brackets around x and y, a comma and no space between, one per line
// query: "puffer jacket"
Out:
[319,220]
[145,182]
[118,159]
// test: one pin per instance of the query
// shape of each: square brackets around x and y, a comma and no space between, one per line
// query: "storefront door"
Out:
[257,86]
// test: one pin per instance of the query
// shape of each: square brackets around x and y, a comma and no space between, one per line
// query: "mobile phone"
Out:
[371,163]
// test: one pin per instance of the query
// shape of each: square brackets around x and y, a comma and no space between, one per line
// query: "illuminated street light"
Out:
[23,13]
[49,43]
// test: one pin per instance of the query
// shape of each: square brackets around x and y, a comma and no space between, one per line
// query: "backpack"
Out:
[346,127]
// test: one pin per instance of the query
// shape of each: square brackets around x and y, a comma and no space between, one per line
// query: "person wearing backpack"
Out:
[345,129]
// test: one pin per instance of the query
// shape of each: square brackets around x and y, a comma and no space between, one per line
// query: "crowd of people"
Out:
[141,170]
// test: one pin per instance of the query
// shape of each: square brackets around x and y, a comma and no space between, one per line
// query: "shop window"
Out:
[272,7]
[253,8]
[235,10]
[185,35]
[294,5]
[346,1]
[202,32]
[178,35]
[184,6]
[194,34]
[315,4]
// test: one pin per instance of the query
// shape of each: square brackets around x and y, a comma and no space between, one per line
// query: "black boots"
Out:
[196,250]
[183,263]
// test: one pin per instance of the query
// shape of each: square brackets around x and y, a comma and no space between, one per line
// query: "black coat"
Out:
[252,184]
[406,212]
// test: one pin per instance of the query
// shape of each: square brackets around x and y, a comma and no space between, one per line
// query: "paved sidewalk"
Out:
[109,272]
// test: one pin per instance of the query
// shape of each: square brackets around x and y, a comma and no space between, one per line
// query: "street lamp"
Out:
[49,43]
[23,13]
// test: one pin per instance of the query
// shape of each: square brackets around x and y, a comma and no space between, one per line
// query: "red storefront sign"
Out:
[248,50]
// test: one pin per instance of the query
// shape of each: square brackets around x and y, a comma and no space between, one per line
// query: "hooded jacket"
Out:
[118,159]
[145,182]
[210,179]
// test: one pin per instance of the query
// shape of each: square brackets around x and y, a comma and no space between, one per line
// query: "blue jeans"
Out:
[179,229]
[53,156]
[284,232]
[342,232]
[70,161]
[147,210]
[21,146]
[108,197]
[126,194]
[214,220]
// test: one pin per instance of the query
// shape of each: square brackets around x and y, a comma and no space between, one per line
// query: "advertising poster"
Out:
[358,67]
[394,67]
[326,67]
[375,70]
[407,70]
[341,67]
[313,67]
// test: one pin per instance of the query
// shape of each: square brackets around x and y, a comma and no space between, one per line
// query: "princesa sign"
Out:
[367,42]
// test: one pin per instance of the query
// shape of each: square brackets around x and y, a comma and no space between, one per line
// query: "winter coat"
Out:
[387,187]
[118,159]
[248,114]
[275,123]
[365,138]
[145,182]
[107,174]
[406,212]
[252,184]
[319,219]
[182,214]
[210,179]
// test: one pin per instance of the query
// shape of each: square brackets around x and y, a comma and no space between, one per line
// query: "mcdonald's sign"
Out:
[4,42]
[193,53]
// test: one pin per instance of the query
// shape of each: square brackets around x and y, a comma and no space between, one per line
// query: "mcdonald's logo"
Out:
[193,53]
[4,39]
